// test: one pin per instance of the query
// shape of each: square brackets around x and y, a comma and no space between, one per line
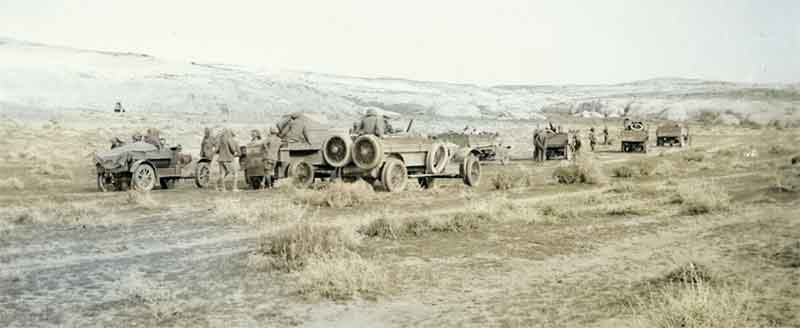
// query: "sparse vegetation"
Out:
[259,213]
[342,278]
[701,198]
[623,171]
[140,199]
[290,248]
[338,194]
[13,183]
[688,299]
[582,171]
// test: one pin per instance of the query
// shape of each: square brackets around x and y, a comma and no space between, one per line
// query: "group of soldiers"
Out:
[225,149]
[152,136]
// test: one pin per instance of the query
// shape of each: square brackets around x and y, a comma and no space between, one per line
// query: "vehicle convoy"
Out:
[489,145]
[393,159]
[140,165]
[325,153]
[549,144]
[634,137]
[672,135]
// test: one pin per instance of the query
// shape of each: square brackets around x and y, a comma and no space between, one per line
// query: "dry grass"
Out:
[392,228]
[701,198]
[50,213]
[12,183]
[688,299]
[259,213]
[338,194]
[787,178]
[140,199]
[159,301]
[291,248]
[519,178]
[583,170]
[343,278]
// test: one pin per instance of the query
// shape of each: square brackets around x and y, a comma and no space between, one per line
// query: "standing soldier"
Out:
[255,136]
[592,139]
[605,135]
[294,131]
[207,147]
[372,124]
[227,151]
[118,108]
[271,147]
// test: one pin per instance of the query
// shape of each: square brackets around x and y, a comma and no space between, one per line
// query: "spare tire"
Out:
[336,150]
[437,158]
[470,170]
[637,126]
[367,152]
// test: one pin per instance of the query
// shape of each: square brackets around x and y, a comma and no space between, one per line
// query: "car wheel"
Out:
[144,178]
[202,175]
[394,175]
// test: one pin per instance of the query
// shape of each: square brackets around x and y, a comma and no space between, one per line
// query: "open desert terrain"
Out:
[702,236]
[707,233]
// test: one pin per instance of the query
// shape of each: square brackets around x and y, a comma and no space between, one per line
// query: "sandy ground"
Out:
[102,261]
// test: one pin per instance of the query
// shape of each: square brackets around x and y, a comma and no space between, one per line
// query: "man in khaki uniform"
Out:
[372,124]
[271,147]
[227,151]
[294,131]
[207,147]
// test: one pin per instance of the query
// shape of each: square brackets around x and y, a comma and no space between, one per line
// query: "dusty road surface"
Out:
[519,251]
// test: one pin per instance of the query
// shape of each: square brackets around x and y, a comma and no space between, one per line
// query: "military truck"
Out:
[141,165]
[634,137]
[548,145]
[672,135]
[393,159]
[327,153]
[488,145]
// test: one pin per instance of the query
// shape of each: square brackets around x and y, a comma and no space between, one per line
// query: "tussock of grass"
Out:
[49,213]
[788,256]
[389,228]
[688,299]
[694,156]
[701,198]
[140,199]
[623,171]
[508,180]
[342,278]
[276,211]
[787,178]
[584,170]
[291,248]
[338,194]
[12,183]
[779,150]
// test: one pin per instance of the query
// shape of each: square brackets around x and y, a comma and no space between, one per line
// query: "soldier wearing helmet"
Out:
[271,146]
[372,124]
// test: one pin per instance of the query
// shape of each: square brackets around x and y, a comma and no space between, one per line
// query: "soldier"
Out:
[626,123]
[116,142]
[354,129]
[605,135]
[207,147]
[592,139]
[227,151]
[371,124]
[255,136]
[118,108]
[153,138]
[576,142]
[271,147]
[294,131]
[137,137]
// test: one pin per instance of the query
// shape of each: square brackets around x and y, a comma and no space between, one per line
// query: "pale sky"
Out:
[484,42]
